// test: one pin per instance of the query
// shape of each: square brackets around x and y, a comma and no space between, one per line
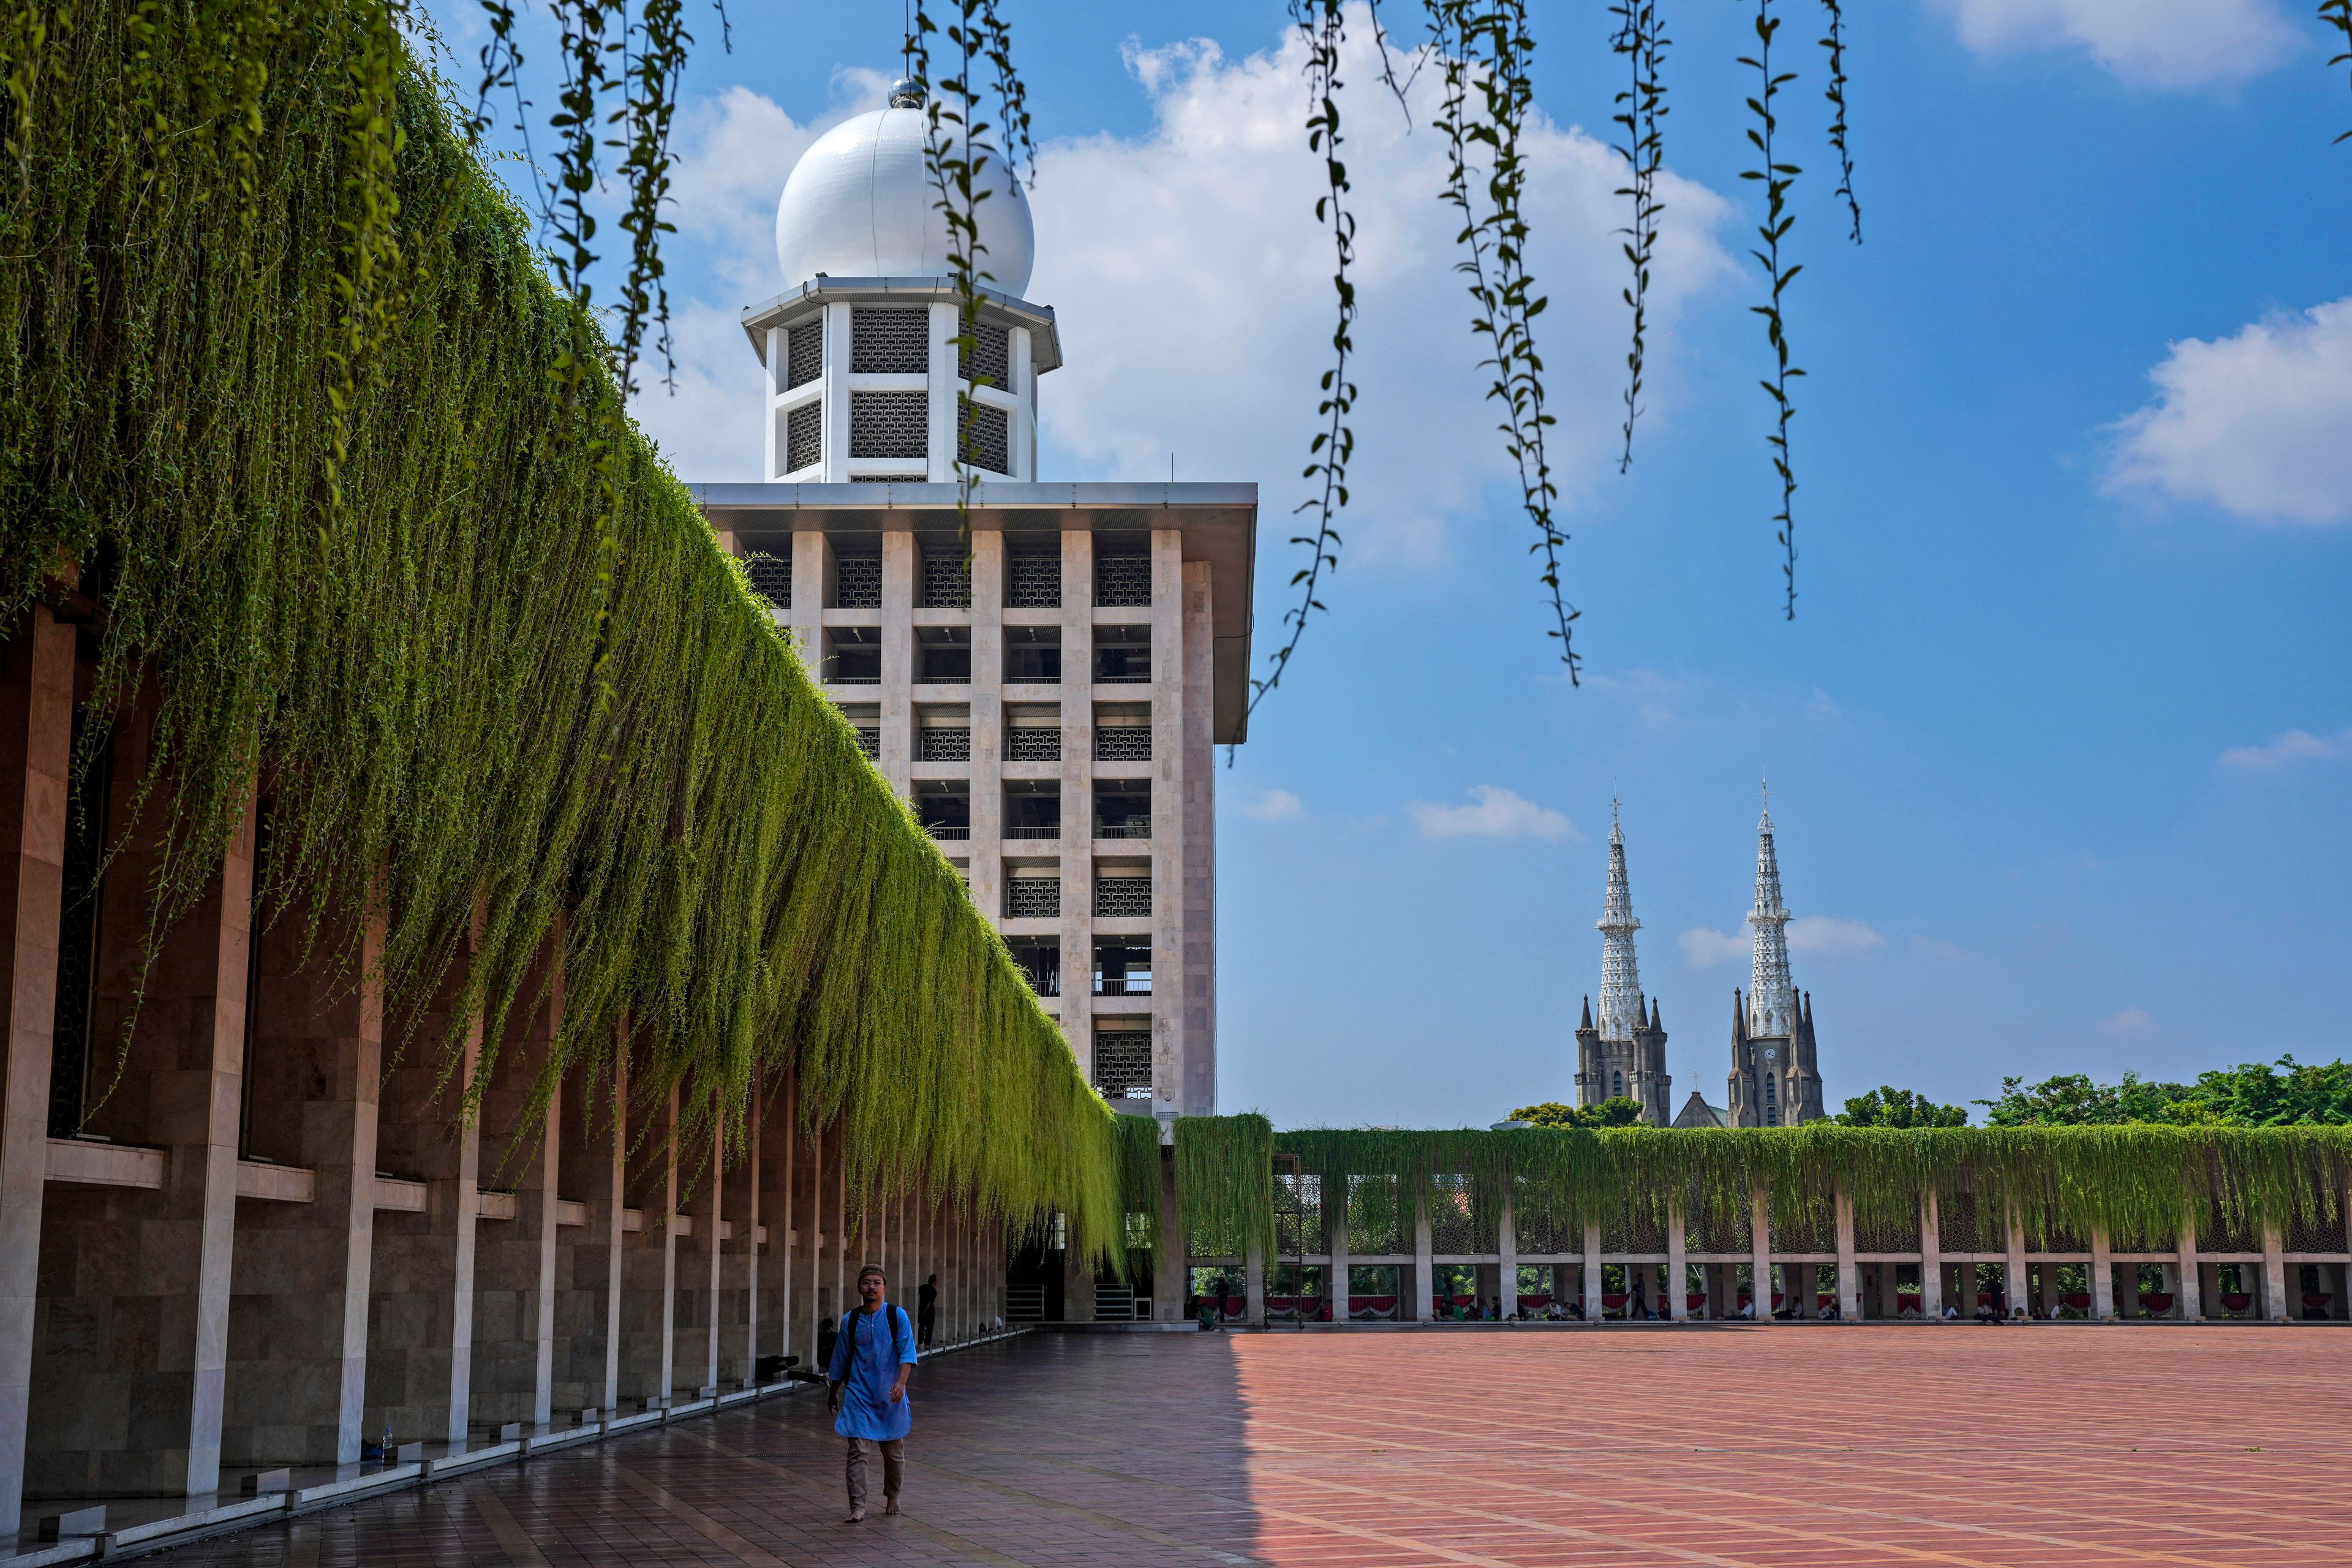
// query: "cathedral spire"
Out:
[1771,997]
[1622,1011]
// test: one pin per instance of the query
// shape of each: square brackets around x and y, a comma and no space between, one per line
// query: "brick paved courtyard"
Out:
[1815,1445]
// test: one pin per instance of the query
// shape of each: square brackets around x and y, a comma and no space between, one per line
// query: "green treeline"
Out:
[285,387]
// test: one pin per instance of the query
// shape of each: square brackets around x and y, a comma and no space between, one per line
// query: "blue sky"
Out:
[2061,740]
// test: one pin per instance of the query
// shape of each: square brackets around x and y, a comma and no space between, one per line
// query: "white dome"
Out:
[860,204]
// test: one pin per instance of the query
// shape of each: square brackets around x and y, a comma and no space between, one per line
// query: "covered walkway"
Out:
[1855,1444]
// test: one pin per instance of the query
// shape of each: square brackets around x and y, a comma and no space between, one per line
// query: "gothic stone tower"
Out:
[1776,1080]
[1625,1052]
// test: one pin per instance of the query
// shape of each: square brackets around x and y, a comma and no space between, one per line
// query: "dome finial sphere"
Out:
[862,203]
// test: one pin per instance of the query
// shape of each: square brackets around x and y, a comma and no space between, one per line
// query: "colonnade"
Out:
[262,1237]
[1913,1268]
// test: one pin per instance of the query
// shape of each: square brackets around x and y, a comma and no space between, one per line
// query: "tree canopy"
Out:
[1617,1111]
[1887,1106]
[2250,1094]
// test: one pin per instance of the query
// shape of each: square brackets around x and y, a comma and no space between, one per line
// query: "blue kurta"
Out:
[866,1373]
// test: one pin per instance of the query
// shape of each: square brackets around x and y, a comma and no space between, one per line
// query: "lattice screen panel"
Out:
[803,437]
[2314,1233]
[1123,743]
[1378,1221]
[857,582]
[885,342]
[870,741]
[1297,1215]
[1123,898]
[1122,1061]
[1033,898]
[1956,1224]
[1533,1227]
[1122,580]
[1453,1217]
[1815,1231]
[1033,583]
[1886,1233]
[771,577]
[943,745]
[988,357]
[947,580]
[889,424]
[987,441]
[1027,745]
[804,354]
[1632,1230]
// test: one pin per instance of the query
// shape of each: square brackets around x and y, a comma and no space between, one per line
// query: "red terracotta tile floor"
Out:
[1805,1447]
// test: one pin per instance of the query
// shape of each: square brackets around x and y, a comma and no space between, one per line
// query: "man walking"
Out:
[926,1310]
[868,1393]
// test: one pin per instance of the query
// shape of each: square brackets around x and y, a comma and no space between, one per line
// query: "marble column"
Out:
[297,1375]
[1849,1278]
[36,760]
[514,1260]
[1931,1258]
[1760,1250]
[36,682]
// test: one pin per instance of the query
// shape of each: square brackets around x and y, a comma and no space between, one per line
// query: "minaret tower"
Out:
[1625,1052]
[1775,1078]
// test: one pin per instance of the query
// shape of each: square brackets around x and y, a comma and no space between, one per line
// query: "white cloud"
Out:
[1498,813]
[1830,937]
[1823,936]
[2129,1024]
[1193,291]
[2149,43]
[2294,746]
[2258,423]
[1938,948]
[1275,805]
[1703,949]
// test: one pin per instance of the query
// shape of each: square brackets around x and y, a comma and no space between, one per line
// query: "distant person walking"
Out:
[868,1393]
[926,1310]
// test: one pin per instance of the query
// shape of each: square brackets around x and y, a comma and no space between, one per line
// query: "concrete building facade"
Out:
[1041,671]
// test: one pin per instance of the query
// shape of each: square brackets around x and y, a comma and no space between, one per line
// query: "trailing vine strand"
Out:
[1776,177]
[1640,108]
[958,149]
[1322,27]
[2337,14]
[1486,47]
[1833,41]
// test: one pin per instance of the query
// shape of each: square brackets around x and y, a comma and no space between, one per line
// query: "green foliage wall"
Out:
[2134,1182]
[349,481]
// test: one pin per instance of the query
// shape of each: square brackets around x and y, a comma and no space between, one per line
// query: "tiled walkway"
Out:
[1802,1446]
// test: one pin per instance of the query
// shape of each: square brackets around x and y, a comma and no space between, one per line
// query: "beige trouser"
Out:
[894,1467]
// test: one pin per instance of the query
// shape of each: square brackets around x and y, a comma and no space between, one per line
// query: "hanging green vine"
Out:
[1487,45]
[2137,1184]
[2337,14]
[507,692]
[1641,108]
[958,148]
[1833,42]
[1776,177]
[1322,28]
[1224,1183]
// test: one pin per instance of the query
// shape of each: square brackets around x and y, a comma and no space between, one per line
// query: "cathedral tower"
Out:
[1775,1078]
[1625,1052]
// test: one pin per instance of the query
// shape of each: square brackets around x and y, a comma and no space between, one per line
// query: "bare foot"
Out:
[890,1507]
[856,1516]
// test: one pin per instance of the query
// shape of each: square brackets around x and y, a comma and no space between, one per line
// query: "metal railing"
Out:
[1028,830]
[948,829]
[1133,827]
